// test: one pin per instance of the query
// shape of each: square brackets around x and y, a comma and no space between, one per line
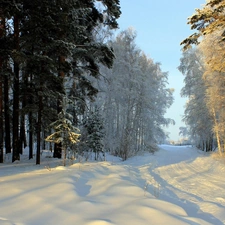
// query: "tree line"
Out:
[203,67]
[133,99]
[43,43]
[61,66]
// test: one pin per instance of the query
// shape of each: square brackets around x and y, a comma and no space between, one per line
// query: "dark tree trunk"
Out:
[30,119]
[16,155]
[2,28]
[38,153]
[23,141]
[1,116]
[30,116]
[58,147]
[22,134]
[7,115]
[39,116]
[57,151]
[43,142]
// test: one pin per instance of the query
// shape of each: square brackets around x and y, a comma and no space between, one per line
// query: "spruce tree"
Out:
[93,132]
[16,56]
[65,132]
[5,70]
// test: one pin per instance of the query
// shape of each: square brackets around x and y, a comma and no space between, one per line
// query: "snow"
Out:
[176,185]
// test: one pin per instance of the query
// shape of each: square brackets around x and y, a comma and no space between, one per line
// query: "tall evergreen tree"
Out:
[16,81]
[65,132]
[6,72]
[48,42]
[93,134]
[2,31]
[206,21]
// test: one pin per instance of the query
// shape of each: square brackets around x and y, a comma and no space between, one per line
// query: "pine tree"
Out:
[16,81]
[65,132]
[48,42]
[6,47]
[94,132]
[2,31]
[205,21]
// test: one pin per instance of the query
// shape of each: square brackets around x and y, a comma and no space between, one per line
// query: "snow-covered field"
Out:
[176,185]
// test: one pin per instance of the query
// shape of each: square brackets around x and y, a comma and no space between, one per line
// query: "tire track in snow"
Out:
[193,179]
[197,180]
[161,189]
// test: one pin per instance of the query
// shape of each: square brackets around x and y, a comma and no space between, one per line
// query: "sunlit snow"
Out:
[176,185]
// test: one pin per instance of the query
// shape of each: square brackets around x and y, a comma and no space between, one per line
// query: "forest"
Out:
[71,84]
[202,64]
[68,85]
[83,113]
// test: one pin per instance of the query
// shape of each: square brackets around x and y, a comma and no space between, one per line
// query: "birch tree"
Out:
[214,80]
[134,99]
[210,29]
[197,115]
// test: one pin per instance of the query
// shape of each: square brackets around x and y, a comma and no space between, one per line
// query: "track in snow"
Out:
[198,180]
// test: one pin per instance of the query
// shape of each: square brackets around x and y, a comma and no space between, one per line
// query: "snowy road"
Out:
[199,181]
[176,185]
[189,178]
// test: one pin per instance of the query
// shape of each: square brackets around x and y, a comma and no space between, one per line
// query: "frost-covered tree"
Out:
[210,30]
[183,132]
[214,80]
[93,132]
[208,19]
[197,116]
[64,131]
[134,99]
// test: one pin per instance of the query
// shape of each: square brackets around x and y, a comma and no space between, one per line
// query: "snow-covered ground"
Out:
[176,185]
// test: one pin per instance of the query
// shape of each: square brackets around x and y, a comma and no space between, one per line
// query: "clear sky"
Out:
[161,26]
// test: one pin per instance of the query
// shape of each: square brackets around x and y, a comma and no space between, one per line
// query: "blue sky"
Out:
[161,26]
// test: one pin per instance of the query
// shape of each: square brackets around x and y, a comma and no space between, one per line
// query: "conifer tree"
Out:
[208,19]
[50,41]
[5,70]
[65,132]
[2,31]
[94,132]
[16,56]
